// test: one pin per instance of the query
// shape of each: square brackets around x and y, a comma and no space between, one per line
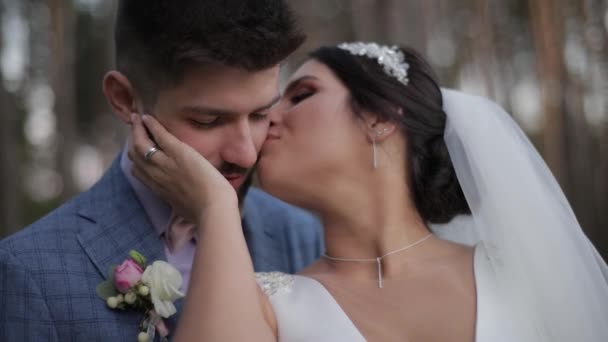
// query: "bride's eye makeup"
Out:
[300,89]
[301,94]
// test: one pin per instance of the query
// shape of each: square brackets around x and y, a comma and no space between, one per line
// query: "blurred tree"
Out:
[580,141]
[547,28]
[483,45]
[10,165]
[365,26]
[10,159]
[593,85]
[62,81]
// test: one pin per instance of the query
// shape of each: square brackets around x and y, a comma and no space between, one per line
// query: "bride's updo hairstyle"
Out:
[435,189]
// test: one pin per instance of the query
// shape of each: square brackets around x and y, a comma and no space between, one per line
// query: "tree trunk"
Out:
[597,198]
[484,50]
[547,22]
[62,81]
[364,25]
[601,198]
[10,163]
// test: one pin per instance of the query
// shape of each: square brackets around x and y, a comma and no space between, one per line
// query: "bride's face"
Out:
[315,142]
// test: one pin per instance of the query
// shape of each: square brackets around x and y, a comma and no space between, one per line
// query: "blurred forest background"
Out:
[545,61]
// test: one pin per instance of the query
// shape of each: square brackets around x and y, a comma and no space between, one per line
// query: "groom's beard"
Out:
[242,192]
[228,168]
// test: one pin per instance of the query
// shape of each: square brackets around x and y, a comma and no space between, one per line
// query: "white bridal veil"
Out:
[552,279]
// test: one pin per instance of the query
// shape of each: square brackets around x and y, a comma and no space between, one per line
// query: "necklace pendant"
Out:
[379,261]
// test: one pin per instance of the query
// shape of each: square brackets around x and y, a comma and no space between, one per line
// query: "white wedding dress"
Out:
[307,312]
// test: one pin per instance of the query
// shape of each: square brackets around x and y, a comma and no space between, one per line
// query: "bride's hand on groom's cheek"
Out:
[176,172]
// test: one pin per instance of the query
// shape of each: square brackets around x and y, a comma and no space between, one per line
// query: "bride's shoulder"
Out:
[273,283]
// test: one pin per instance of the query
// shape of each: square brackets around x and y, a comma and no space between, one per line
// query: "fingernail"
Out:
[133,118]
[145,117]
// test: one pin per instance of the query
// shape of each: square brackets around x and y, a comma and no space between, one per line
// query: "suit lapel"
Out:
[119,223]
[264,245]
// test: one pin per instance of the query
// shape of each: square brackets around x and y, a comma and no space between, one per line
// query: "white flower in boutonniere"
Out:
[164,282]
[152,289]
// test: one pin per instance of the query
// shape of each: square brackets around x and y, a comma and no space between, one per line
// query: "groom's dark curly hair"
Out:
[417,109]
[157,41]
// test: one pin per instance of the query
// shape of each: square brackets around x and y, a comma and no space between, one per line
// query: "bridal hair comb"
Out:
[389,57]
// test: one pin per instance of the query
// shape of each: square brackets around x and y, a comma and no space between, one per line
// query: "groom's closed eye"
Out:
[259,116]
[202,124]
[204,118]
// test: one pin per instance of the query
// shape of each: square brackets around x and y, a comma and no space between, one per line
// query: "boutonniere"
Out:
[152,289]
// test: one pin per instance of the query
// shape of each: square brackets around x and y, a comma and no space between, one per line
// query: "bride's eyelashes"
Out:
[301,95]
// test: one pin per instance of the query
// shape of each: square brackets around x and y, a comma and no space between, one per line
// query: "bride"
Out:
[442,222]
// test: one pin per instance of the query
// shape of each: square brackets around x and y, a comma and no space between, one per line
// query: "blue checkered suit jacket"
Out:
[49,271]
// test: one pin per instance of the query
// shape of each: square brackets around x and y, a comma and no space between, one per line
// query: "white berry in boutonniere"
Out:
[152,289]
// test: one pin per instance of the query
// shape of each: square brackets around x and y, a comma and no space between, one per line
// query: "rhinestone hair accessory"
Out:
[389,57]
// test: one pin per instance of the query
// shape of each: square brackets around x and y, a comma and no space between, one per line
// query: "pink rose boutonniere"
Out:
[152,289]
[127,275]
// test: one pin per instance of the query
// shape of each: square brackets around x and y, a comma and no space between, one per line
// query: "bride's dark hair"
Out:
[435,189]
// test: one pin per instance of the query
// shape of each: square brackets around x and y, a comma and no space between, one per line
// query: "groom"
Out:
[208,70]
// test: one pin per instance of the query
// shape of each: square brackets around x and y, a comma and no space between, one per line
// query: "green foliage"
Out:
[106,288]
[138,258]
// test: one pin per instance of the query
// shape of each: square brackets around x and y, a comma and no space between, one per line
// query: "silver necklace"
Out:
[378,260]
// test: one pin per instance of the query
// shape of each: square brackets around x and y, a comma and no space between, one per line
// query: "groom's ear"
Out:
[120,94]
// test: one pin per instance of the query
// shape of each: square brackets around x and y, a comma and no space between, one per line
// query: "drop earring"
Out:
[374,159]
[374,152]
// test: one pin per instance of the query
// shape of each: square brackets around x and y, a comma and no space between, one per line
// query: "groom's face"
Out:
[221,112]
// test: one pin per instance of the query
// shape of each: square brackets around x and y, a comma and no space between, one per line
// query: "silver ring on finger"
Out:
[150,153]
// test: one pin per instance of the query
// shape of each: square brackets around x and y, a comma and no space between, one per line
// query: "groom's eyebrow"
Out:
[268,105]
[213,111]
[297,81]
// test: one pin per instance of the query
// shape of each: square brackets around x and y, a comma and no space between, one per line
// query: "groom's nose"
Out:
[239,147]
[275,115]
